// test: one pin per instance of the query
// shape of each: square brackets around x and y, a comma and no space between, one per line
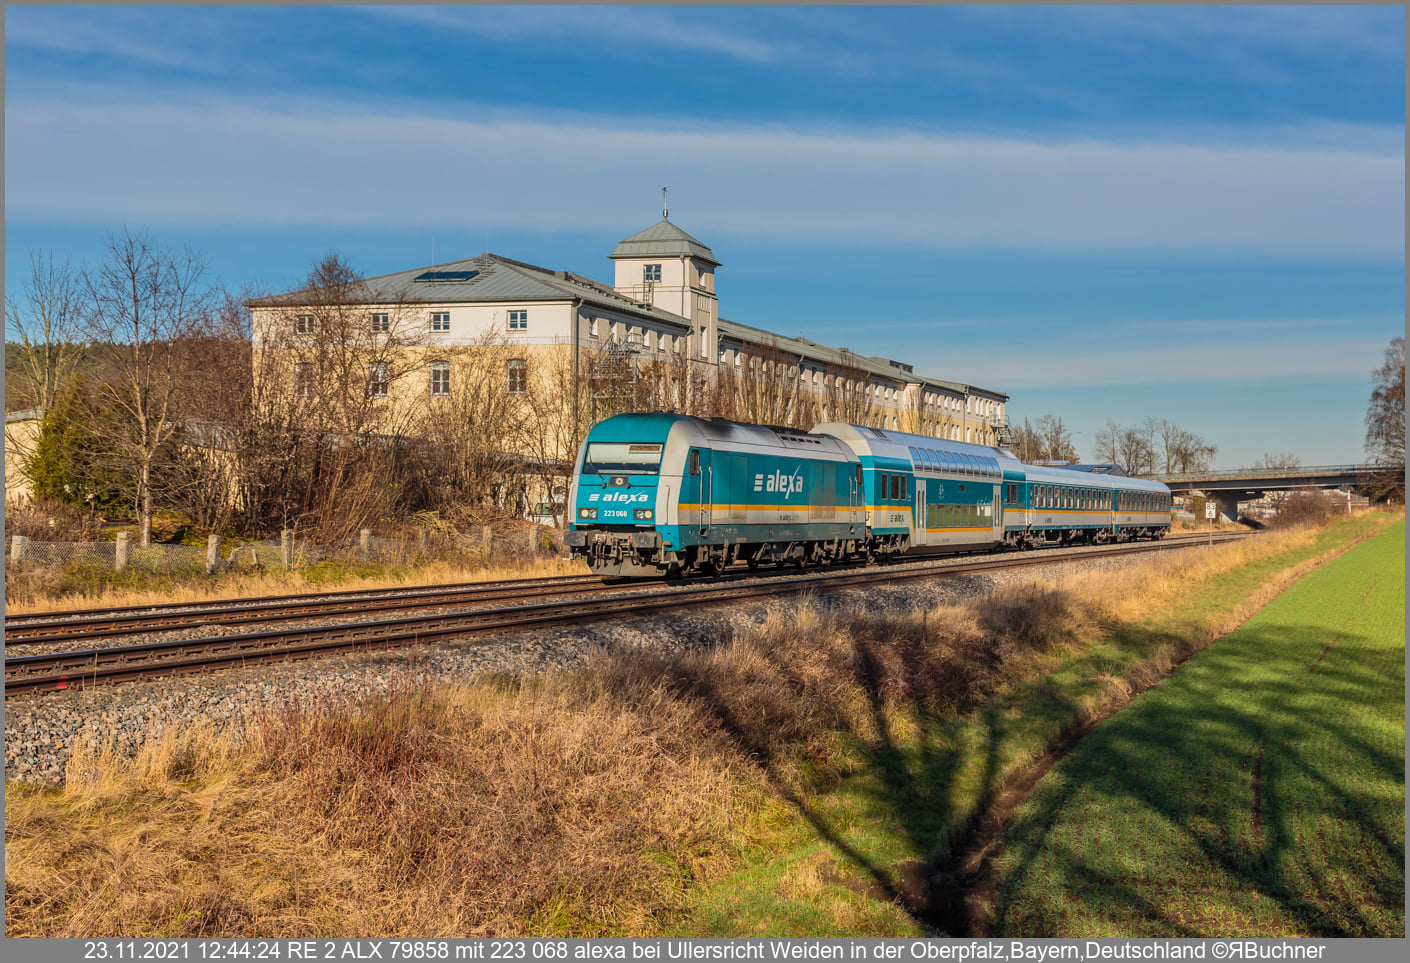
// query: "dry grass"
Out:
[33,597]
[590,804]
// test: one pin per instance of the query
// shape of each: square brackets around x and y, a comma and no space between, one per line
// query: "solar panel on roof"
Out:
[445,276]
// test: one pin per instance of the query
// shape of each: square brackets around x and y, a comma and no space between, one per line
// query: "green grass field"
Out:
[1259,791]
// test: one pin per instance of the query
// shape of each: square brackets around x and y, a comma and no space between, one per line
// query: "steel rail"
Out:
[100,627]
[65,670]
[258,601]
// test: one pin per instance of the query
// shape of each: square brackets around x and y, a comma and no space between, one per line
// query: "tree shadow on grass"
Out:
[1251,777]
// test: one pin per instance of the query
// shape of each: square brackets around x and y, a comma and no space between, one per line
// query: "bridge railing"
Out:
[1302,471]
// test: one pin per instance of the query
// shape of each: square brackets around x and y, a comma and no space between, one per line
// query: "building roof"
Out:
[824,354]
[663,239]
[493,278]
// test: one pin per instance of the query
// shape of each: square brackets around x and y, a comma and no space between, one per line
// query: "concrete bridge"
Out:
[1228,488]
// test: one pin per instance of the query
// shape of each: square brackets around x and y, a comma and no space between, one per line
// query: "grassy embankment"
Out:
[756,788]
[925,778]
[1261,791]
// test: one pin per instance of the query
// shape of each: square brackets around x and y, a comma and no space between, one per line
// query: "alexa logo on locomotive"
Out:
[779,482]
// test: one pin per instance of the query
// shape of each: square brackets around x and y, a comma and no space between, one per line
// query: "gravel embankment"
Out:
[42,728]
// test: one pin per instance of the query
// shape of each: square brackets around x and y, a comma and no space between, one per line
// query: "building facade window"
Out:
[303,380]
[651,272]
[381,323]
[303,324]
[440,321]
[377,380]
[518,320]
[440,379]
[516,376]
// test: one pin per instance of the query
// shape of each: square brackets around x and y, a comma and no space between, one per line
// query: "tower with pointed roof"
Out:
[668,269]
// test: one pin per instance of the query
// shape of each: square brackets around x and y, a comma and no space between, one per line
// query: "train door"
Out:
[998,513]
[854,499]
[699,466]
[918,533]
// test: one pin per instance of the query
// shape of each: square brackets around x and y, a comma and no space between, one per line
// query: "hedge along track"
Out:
[75,669]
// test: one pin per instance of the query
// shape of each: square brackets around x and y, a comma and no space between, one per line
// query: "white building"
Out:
[663,304]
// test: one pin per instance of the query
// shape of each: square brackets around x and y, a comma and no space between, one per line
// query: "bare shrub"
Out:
[1303,508]
[48,520]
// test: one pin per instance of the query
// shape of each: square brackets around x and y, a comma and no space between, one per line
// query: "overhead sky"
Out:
[1190,213]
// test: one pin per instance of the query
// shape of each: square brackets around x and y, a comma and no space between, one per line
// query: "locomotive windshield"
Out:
[606,458]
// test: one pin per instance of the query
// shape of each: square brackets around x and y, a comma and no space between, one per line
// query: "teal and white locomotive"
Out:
[663,494]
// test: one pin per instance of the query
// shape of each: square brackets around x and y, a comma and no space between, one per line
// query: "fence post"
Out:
[286,547]
[19,546]
[364,545]
[124,550]
[533,540]
[212,554]
[423,541]
[487,536]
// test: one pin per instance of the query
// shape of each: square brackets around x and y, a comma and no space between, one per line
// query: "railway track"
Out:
[107,623]
[75,669]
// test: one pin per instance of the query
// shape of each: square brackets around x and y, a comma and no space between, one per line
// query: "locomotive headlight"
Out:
[587,513]
[642,514]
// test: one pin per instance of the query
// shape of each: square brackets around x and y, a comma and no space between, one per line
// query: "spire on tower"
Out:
[665,211]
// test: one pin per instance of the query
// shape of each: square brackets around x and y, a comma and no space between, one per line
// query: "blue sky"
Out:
[1193,213]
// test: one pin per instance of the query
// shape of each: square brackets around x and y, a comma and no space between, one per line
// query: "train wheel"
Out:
[753,564]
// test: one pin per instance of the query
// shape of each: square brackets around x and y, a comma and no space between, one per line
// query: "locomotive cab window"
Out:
[693,465]
[606,458]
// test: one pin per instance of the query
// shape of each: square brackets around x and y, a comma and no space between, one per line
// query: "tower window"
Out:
[651,272]
[518,320]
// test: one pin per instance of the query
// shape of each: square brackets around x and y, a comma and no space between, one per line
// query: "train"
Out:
[659,494]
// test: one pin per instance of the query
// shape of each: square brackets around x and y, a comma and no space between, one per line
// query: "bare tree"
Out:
[1024,443]
[766,387]
[1180,450]
[1055,441]
[49,328]
[141,302]
[1281,461]
[1385,422]
[850,399]
[328,441]
[1130,448]
[549,435]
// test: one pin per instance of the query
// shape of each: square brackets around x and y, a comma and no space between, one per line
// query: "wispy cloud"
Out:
[135,36]
[1279,357]
[240,164]
[623,27]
